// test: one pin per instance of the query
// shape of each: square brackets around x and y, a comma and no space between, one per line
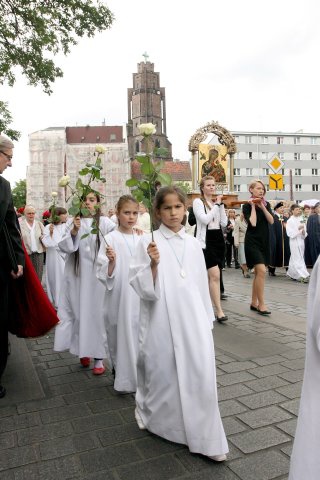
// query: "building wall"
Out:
[51,156]
[300,153]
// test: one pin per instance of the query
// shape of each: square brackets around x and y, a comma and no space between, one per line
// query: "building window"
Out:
[297,187]
[113,137]
[264,155]
[313,141]
[297,171]
[248,139]
[296,140]
[314,156]
[265,140]
[314,171]
[236,172]
[282,171]
[296,156]
[249,172]
[137,146]
[250,155]
[315,188]
[279,140]
[281,155]
[265,171]
[237,188]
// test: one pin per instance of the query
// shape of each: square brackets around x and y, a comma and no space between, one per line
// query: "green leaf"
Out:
[147,168]
[74,211]
[142,158]
[84,171]
[165,178]
[132,182]
[85,235]
[85,212]
[76,202]
[94,231]
[79,183]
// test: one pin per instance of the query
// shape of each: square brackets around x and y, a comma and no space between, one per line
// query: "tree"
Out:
[185,186]
[19,193]
[32,32]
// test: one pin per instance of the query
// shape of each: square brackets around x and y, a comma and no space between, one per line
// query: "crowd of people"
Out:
[142,303]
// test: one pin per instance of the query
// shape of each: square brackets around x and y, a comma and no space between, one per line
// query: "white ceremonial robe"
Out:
[297,267]
[55,261]
[305,458]
[122,309]
[177,394]
[81,329]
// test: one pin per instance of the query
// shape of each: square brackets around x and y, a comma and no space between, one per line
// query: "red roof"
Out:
[179,171]
[94,134]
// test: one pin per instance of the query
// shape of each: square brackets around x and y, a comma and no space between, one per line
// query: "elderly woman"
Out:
[32,232]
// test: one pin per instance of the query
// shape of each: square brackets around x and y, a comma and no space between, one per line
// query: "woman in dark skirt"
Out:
[211,216]
[258,215]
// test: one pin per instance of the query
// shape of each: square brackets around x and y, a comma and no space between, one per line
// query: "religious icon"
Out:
[213,161]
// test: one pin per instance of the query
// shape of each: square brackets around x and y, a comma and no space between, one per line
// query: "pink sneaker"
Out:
[98,370]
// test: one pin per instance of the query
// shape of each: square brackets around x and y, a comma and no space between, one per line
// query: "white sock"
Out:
[98,364]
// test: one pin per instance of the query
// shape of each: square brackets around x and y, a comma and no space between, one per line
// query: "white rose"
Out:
[54,194]
[147,129]
[100,149]
[64,181]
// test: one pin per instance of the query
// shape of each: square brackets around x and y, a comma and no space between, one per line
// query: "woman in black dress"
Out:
[257,248]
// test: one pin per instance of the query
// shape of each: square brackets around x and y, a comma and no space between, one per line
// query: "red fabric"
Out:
[31,313]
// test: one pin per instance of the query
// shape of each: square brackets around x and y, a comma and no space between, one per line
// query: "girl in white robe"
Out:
[296,231]
[81,329]
[123,304]
[55,259]
[305,458]
[176,394]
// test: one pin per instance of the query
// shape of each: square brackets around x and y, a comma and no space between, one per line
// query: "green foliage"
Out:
[19,194]
[33,32]
[184,186]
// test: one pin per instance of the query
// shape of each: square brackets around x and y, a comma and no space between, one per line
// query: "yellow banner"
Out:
[213,161]
[275,181]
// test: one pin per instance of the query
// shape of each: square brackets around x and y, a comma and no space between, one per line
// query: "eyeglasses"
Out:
[9,157]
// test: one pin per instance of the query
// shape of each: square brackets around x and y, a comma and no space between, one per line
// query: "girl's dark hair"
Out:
[124,199]
[163,192]
[295,205]
[58,211]
[96,217]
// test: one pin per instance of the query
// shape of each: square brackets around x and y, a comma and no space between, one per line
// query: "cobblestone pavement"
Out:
[58,421]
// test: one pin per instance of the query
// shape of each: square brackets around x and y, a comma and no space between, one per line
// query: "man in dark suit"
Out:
[11,252]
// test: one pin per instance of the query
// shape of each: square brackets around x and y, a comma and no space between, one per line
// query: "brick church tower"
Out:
[146,104]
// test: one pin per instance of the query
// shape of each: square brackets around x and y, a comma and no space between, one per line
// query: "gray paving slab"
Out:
[60,421]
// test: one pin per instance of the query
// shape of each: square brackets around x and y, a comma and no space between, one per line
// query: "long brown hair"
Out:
[203,180]
[161,194]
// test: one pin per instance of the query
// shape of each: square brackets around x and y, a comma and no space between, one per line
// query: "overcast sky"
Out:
[250,65]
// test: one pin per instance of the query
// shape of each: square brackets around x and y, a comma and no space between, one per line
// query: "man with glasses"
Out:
[11,252]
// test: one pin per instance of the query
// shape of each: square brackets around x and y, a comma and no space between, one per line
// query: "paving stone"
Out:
[297,345]
[239,377]
[7,440]
[266,383]
[293,376]
[264,416]
[38,434]
[233,391]
[120,433]
[64,468]
[289,426]
[287,449]
[297,364]
[225,358]
[48,358]
[85,383]
[63,362]
[87,396]
[268,360]
[292,406]
[154,446]
[291,391]
[14,457]
[163,468]
[95,422]
[261,466]
[230,407]
[19,421]
[237,366]
[127,414]
[67,446]
[110,457]
[71,377]
[268,370]
[53,372]
[231,425]
[289,339]
[255,440]
[214,472]
[42,404]
[105,475]
[8,411]
[60,389]
[262,399]
[293,354]
[107,404]
[54,415]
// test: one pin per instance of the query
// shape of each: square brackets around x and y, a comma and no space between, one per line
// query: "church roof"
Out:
[179,171]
